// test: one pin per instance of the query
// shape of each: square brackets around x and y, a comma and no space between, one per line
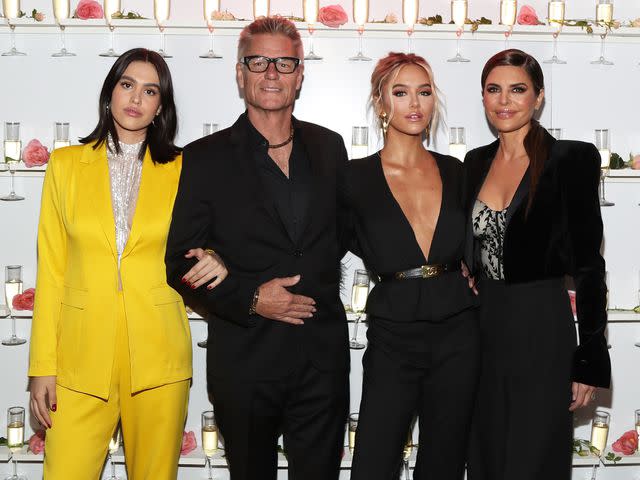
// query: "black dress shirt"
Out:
[290,195]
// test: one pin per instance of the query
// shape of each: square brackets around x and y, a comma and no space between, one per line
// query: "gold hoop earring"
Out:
[384,123]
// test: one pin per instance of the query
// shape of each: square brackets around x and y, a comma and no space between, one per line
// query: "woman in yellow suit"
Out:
[110,339]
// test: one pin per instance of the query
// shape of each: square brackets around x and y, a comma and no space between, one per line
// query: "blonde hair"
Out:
[275,25]
[387,69]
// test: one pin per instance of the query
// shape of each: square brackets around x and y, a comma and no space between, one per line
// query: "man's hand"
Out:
[43,398]
[278,303]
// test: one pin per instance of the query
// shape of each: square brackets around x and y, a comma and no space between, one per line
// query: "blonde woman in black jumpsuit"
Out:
[404,218]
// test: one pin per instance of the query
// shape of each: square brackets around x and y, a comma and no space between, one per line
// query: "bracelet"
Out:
[254,302]
[210,252]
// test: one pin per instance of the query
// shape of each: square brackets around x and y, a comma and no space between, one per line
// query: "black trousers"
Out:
[438,385]
[309,407]
[528,339]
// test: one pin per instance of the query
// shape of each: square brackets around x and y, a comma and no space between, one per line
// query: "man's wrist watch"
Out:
[254,302]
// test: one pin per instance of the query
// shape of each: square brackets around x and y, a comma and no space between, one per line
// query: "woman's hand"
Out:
[209,266]
[43,398]
[470,279]
[581,395]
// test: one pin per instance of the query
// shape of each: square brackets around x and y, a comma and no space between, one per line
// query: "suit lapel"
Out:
[151,197]
[97,188]
[522,192]
[313,150]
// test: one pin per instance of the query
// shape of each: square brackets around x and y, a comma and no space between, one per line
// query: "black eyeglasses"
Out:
[259,64]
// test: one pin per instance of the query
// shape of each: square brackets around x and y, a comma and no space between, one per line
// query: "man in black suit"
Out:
[263,194]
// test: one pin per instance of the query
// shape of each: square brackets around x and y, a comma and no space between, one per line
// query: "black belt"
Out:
[424,271]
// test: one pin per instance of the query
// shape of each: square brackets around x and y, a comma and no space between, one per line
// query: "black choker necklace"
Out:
[286,142]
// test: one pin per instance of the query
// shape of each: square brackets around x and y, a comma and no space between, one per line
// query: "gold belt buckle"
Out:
[430,270]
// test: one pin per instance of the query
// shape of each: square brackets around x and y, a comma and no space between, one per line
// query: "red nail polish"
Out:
[54,407]
[183,280]
[193,286]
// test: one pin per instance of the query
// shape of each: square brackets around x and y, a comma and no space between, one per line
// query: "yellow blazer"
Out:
[74,319]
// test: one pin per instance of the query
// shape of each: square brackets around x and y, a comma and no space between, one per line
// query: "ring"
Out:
[593,396]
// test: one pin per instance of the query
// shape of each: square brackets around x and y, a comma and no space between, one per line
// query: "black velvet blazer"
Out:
[560,235]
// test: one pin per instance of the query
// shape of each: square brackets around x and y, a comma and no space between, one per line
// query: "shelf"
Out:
[5,454]
[591,459]
[614,316]
[196,458]
[494,32]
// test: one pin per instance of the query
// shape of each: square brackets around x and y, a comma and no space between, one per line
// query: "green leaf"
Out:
[616,162]
[3,441]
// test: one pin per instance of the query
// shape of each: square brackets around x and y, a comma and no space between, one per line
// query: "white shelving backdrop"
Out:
[38,90]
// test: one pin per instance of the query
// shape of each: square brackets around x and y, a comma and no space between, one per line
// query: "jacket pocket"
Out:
[74,297]
[163,295]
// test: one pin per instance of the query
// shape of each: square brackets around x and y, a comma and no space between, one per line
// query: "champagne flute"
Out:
[353,426]
[111,7]
[406,455]
[12,287]
[457,144]
[260,8]
[15,437]
[459,9]
[410,10]
[61,135]
[114,445]
[508,13]
[359,142]
[209,438]
[12,151]
[11,10]
[210,6]
[61,12]
[161,12]
[360,17]
[602,144]
[310,10]
[599,434]
[604,17]
[359,293]
[555,17]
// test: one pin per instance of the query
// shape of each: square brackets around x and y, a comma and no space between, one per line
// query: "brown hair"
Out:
[275,25]
[387,70]
[534,143]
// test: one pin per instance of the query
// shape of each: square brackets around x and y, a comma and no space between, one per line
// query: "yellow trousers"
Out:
[152,424]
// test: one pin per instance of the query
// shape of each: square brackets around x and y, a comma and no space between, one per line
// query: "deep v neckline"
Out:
[404,217]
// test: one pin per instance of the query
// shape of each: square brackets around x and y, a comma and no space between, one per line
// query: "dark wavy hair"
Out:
[162,132]
[535,143]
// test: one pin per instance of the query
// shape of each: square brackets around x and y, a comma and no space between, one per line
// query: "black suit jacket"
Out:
[376,229]
[222,204]
[560,235]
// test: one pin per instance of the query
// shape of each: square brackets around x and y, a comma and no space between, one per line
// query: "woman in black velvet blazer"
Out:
[533,218]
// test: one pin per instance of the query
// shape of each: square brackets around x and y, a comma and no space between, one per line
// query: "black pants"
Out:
[528,339]
[438,385]
[309,408]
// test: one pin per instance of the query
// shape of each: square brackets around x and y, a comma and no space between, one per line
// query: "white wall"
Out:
[38,90]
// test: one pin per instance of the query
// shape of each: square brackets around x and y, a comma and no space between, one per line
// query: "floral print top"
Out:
[488,229]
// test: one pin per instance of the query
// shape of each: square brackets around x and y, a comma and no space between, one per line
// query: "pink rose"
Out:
[188,442]
[528,16]
[24,301]
[35,154]
[89,9]
[390,18]
[332,16]
[38,17]
[627,444]
[635,162]
[36,442]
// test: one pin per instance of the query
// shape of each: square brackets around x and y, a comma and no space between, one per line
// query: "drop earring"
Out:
[384,123]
